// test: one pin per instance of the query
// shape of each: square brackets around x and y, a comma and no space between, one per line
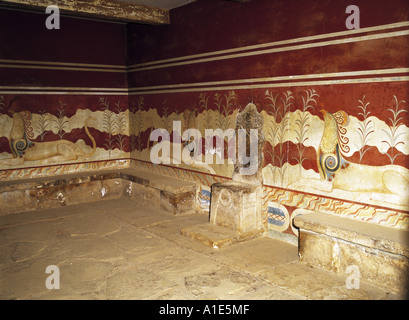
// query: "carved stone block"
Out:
[236,206]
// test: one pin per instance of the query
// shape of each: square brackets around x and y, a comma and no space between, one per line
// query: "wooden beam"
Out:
[101,9]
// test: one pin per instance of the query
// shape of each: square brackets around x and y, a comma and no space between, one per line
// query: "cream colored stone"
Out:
[216,236]
[236,206]
[173,195]
[334,243]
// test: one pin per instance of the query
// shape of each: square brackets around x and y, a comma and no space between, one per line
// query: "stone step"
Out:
[165,193]
[215,236]
[381,254]
[235,216]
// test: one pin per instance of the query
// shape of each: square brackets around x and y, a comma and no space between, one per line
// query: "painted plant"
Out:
[120,127]
[43,123]
[60,123]
[2,105]
[136,124]
[365,129]
[303,126]
[393,135]
[278,133]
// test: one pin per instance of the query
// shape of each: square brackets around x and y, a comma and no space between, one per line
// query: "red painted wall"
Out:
[211,25]
[186,55]
[291,51]
[57,73]
[214,58]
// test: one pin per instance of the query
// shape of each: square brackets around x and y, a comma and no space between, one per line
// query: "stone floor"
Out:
[114,249]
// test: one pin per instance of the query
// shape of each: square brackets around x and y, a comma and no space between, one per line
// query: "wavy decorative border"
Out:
[381,216]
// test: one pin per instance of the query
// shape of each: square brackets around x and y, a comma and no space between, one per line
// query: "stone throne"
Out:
[236,208]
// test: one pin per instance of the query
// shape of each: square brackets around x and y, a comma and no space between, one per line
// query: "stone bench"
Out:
[169,194]
[165,193]
[334,243]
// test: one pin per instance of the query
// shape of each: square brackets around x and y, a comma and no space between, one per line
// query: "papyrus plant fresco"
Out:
[115,125]
[2,105]
[188,119]
[166,117]
[303,124]
[277,134]
[271,127]
[206,111]
[225,108]
[224,119]
[149,120]
[60,123]
[393,136]
[206,123]
[120,127]
[43,123]
[108,124]
[215,119]
[136,124]
[365,128]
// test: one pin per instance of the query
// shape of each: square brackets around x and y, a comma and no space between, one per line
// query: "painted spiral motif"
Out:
[330,162]
[19,146]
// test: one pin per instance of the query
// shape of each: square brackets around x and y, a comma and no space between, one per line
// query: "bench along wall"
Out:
[63,95]
[334,100]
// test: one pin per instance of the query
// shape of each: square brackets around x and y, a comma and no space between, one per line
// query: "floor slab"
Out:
[116,249]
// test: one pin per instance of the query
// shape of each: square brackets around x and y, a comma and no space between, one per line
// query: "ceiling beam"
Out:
[101,9]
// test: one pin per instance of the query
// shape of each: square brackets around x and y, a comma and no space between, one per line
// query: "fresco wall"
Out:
[64,130]
[63,96]
[334,101]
